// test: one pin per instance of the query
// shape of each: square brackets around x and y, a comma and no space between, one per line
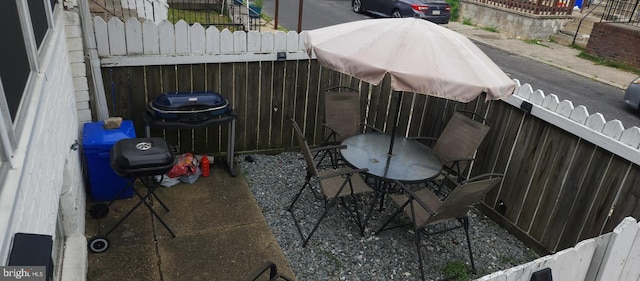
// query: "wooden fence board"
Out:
[628,202]
[153,89]
[418,119]
[133,35]
[543,164]
[501,137]
[603,200]
[560,151]
[167,38]
[297,104]
[117,96]
[521,167]
[282,108]
[251,102]
[214,83]
[197,39]
[150,45]
[183,84]
[488,150]
[589,188]
[102,36]
[404,115]
[264,98]
[374,97]
[137,97]
[315,105]
[239,91]
[307,73]
[117,39]
[569,194]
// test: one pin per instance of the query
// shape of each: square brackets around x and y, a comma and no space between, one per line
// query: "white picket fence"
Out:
[148,43]
[608,257]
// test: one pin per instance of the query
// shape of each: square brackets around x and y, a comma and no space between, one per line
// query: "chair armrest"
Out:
[413,196]
[367,126]
[332,131]
[460,160]
[424,139]
[483,176]
[328,147]
[342,172]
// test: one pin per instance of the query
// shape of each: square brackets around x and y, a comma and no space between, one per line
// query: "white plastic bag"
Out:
[166,181]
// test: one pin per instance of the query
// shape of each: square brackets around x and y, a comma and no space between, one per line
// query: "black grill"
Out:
[140,157]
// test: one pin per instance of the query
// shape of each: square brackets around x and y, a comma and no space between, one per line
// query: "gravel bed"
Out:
[337,251]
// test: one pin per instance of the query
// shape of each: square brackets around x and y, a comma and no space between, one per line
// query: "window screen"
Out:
[38,14]
[15,68]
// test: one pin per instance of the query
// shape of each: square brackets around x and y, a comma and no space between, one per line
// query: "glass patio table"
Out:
[410,161]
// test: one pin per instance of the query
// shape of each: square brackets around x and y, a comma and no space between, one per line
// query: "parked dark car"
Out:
[437,11]
[632,93]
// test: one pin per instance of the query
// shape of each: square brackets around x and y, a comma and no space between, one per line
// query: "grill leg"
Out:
[150,190]
[143,200]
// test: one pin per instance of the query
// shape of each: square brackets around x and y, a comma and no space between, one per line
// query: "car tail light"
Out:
[448,8]
[419,8]
[637,81]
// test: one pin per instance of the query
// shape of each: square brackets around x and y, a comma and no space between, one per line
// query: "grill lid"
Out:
[141,157]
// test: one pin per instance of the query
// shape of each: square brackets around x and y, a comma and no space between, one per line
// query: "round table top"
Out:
[411,161]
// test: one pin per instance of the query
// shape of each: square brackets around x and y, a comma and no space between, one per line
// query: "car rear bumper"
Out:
[441,19]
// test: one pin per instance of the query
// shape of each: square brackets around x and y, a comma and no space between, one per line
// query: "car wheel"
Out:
[396,14]
[357,6]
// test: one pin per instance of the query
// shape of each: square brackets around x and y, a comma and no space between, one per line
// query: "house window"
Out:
[26,24]
[39,18]
[15,69]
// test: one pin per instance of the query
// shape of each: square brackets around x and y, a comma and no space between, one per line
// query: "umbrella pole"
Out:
[395,124]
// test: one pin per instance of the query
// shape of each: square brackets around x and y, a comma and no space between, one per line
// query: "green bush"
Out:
[455,270]
[455,7]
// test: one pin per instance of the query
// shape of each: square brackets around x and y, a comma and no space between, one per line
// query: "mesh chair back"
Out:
[304,148]
[460,140]
[460,200]
[342,113]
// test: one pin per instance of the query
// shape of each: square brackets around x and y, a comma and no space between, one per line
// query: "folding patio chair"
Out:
[273,273]
[459,142]
[342,117]
[425,208]
[335,186]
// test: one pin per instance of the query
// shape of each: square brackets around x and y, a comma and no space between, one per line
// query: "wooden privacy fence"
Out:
[569,175]
[611,256]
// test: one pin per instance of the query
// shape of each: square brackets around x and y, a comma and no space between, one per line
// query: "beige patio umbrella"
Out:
[420,56]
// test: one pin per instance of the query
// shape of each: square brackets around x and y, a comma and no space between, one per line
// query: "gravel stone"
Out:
[337,251]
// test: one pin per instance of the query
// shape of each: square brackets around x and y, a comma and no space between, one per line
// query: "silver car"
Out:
[632,94]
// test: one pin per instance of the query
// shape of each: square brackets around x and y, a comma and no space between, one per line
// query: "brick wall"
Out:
[615,41]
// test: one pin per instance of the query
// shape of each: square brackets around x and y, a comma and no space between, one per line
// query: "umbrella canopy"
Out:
[420,56]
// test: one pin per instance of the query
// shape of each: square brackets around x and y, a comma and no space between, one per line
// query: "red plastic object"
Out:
[204,165]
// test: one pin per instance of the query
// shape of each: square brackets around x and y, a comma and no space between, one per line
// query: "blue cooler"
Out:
[97,143]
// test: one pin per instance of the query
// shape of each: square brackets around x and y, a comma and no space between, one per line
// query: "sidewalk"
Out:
[560,56]
[563,57]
